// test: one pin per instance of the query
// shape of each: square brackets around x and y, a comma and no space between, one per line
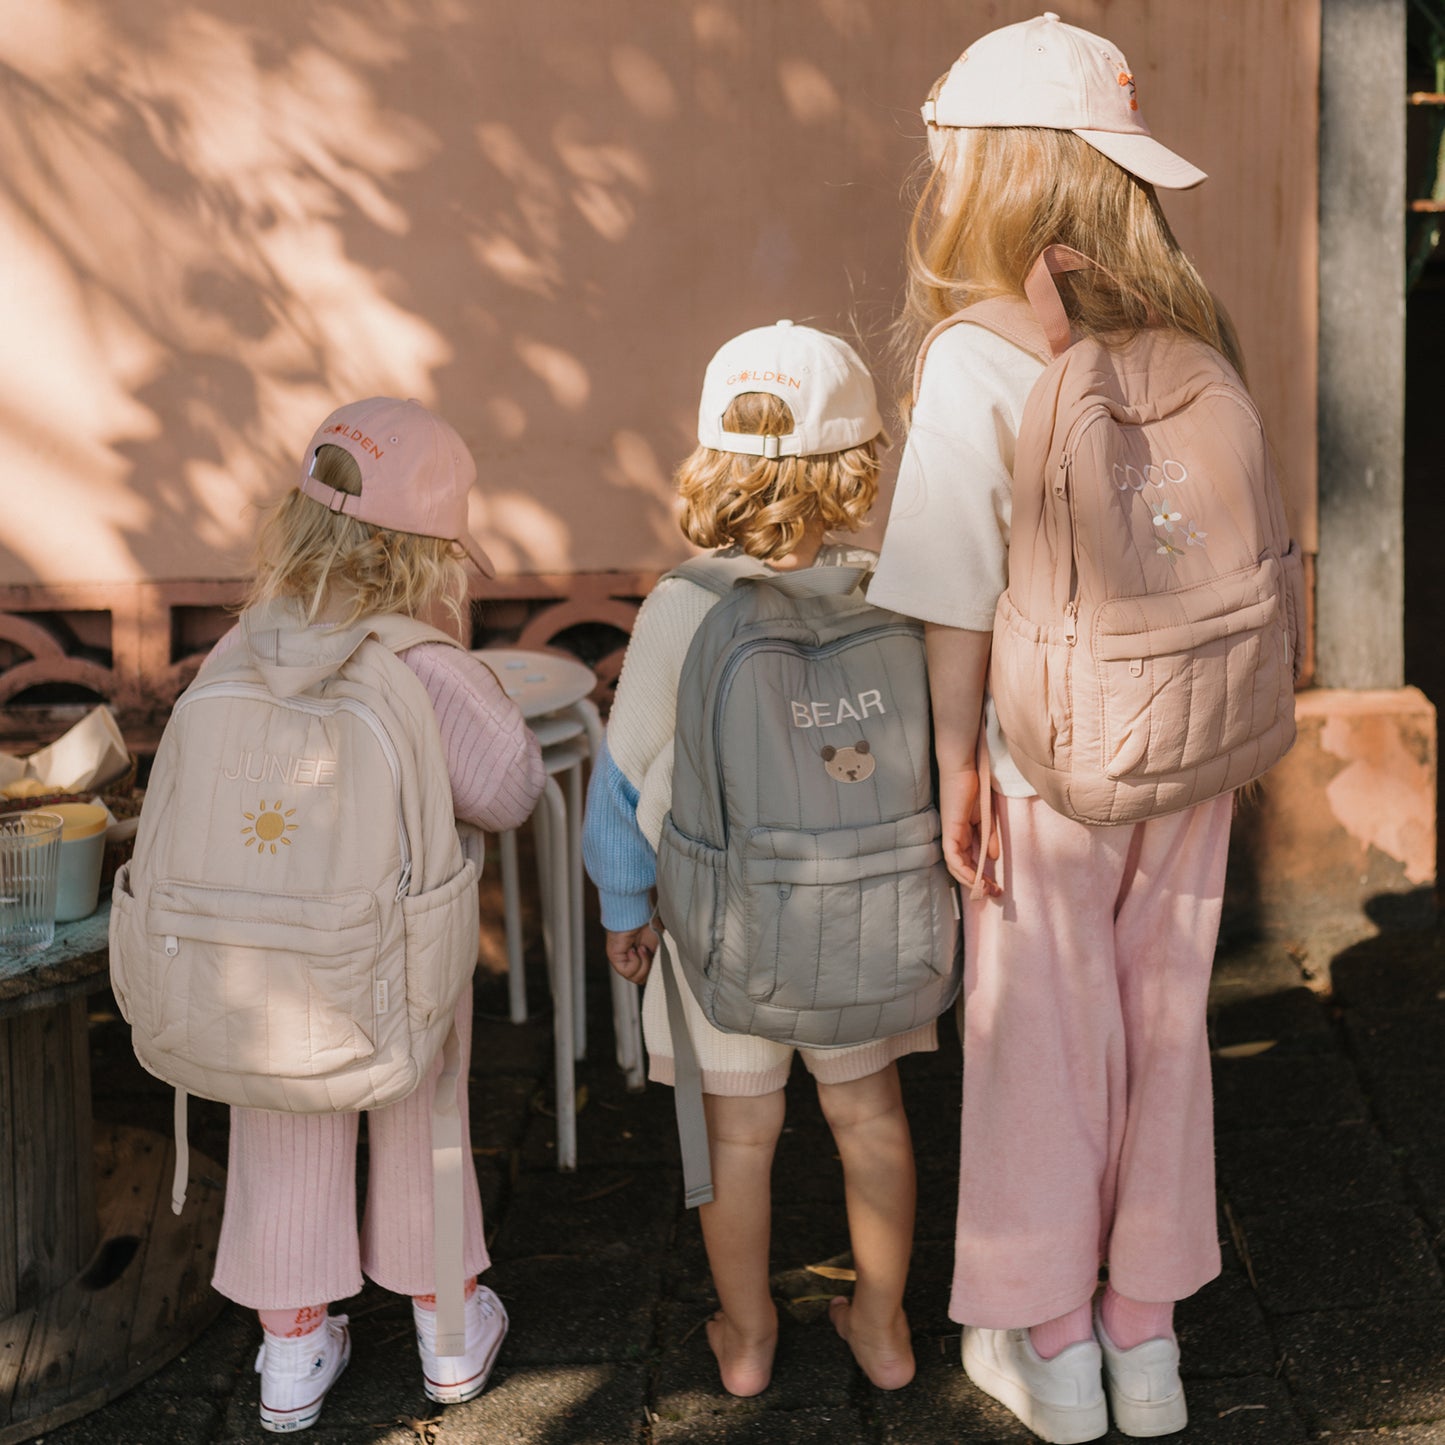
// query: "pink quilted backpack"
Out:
[1146,648]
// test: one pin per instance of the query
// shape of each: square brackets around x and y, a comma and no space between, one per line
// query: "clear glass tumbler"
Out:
[29,868]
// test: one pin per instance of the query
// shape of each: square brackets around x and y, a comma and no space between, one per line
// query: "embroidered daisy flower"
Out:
[1167,548]
[1193,535]
[1163,517]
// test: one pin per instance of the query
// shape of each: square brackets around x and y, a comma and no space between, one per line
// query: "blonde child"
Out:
[1087,1131]
[376,524]
[774,501]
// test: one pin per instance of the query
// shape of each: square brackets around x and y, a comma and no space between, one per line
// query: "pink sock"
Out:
[1129,1322]
[292,1324]
[429,1301]
[1056,1335]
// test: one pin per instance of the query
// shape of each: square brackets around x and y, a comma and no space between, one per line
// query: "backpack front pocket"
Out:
[263,983]
[846,916]
[1188,676]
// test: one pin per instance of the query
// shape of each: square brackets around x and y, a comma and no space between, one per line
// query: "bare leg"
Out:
[736,1228]
[871,1131]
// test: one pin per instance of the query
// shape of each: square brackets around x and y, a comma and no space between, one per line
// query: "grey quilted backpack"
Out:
[800,870]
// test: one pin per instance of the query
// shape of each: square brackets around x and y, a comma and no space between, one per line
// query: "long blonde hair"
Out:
[762,504]
[326,560]
[994,198]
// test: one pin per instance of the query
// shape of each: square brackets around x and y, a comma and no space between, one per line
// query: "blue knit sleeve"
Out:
[619,859]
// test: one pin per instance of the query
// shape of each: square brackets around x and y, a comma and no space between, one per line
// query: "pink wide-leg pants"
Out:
[1088,1132]
[289,1235]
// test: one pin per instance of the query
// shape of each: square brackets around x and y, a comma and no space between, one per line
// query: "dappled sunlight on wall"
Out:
[539,219]
[177,185]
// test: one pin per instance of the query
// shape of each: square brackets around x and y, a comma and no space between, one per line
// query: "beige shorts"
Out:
[742,1065]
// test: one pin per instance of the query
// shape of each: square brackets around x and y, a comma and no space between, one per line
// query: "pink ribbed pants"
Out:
[1088,1130]
[289,1235]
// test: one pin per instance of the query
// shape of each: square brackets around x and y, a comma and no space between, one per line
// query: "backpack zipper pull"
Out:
[173,945]
[1071,621]
[1061,487]
[404,882]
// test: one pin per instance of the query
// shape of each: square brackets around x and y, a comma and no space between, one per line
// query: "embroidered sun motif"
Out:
[267,827]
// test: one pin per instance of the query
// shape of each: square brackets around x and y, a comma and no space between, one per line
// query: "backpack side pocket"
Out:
[127,943]
[1029,682]
[441,946]
[691,896]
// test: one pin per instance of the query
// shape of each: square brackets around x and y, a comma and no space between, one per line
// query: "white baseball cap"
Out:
[822,379]
[1044,73]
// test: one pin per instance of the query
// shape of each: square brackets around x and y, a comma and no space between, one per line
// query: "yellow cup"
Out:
[82,851]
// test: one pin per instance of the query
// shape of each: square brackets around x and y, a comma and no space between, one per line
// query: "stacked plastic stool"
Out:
[551,690]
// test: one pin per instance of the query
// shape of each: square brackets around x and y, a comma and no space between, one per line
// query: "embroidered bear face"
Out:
[849,765]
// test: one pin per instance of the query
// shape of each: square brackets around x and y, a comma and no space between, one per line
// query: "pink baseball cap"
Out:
[1044,73]
[416,471]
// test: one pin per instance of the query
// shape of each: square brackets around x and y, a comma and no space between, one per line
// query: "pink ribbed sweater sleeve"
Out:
[493,757]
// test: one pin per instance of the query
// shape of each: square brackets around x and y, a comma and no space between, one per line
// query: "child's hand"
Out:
[958,810]
[630,953]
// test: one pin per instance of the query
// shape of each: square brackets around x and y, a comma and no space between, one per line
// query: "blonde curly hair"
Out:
[323,559]
[763,505]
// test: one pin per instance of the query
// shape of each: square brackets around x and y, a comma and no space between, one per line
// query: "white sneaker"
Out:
[450,1379]
[1061,1400]
[1146,1397]
[296,1374]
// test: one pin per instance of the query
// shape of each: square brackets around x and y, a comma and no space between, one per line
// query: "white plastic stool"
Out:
[570,735]
[569,738]
[626,1005]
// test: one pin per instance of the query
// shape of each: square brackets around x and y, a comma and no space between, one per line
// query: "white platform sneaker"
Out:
[1146,1397]
[296,1374]
[450,1379]
[1061,1400]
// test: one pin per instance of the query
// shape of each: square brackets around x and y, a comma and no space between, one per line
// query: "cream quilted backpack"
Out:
[1146,648]
[299,920]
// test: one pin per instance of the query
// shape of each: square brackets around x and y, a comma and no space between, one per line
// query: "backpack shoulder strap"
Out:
[1010,317]
[396,632]
[1035,321]
[716,574]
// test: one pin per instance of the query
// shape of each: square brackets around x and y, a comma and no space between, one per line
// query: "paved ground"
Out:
[1328,1321]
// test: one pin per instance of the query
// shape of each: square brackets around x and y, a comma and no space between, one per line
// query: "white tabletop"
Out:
[538,682]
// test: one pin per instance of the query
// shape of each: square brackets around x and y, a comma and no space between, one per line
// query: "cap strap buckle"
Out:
[750,444]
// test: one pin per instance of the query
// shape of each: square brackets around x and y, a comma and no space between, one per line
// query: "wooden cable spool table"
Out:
[100,1283]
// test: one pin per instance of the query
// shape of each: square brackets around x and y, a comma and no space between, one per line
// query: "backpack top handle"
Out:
[1044,296]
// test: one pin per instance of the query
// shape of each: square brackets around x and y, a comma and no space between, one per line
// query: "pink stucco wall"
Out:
[218,220]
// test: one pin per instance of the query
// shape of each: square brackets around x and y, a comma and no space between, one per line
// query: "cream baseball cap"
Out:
[1044,73]
[416,472]
[822,379]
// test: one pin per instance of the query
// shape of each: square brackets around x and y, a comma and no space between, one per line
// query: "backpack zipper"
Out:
[318,708]
[773,644]
[1064,491]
